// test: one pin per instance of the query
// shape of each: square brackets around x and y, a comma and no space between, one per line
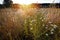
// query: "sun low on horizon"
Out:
[25,2]
[32,1]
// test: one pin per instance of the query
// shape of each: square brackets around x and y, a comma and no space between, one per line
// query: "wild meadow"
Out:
[30,24]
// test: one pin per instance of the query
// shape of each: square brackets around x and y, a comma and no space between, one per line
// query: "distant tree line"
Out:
[6,3]
[46,5]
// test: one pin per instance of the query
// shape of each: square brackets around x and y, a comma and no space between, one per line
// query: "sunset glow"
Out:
[25,2]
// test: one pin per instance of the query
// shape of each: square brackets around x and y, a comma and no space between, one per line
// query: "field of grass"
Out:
[30,24]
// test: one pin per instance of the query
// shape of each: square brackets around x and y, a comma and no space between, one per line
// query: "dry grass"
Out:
[30,24]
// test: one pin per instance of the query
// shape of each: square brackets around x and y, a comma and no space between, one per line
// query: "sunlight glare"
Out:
[24,2]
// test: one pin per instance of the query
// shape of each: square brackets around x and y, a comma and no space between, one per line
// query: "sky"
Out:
[32,1]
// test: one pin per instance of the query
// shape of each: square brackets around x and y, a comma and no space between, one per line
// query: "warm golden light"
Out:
[24,2]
